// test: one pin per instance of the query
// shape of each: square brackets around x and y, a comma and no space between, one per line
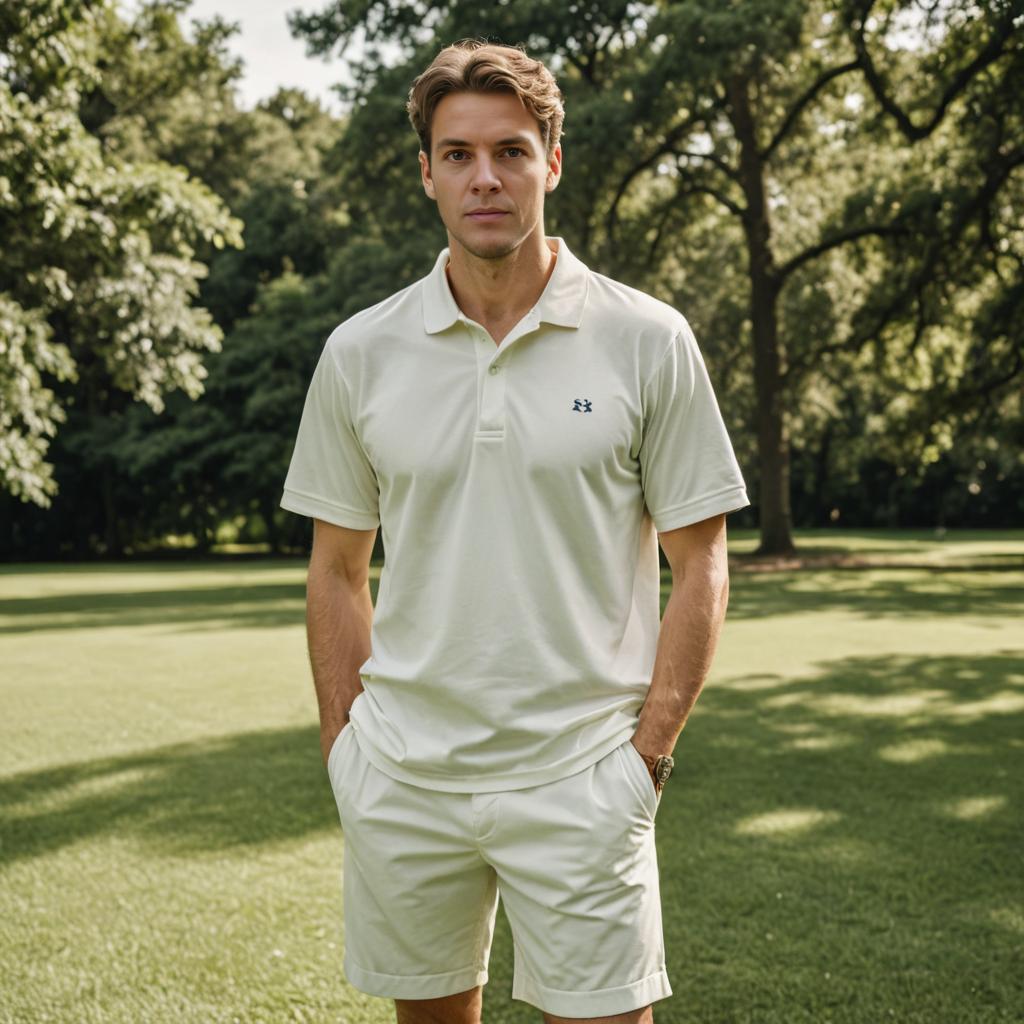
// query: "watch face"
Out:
[663,769]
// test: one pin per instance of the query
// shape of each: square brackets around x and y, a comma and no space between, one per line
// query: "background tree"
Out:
[100,262]
[200,463]
[226,454]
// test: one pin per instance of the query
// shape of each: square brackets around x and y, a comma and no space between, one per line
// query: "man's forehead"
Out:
[483,119]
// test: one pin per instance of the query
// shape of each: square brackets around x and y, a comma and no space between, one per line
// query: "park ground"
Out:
[843,840]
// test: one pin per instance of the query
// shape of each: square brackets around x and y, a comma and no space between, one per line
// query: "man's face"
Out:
[488,172]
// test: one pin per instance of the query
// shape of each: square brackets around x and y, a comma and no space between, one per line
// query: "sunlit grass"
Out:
[841,841]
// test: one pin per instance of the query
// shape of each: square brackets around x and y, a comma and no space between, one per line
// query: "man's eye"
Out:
[456,155]
[514,151]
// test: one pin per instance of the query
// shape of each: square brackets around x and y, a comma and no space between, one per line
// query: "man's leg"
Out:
[578,875]
[419,900]
[461,1008]
[645,1015]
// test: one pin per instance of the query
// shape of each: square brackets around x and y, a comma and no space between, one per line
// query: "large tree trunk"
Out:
[772,438]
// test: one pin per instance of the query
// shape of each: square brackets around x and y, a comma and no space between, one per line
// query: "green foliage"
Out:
[292,205]
[100,267]
[29,412]
[227,454]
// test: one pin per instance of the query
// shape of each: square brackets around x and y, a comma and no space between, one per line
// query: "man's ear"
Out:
[428,181]
[554,169]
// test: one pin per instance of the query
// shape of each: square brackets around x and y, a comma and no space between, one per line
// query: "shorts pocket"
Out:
[640,778]
[335,746]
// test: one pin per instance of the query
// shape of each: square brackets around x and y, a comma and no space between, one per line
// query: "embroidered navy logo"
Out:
[582,405]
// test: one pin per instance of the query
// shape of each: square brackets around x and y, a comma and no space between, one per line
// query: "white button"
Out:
[494,369]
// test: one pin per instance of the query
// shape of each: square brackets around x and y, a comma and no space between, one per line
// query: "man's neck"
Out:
[497,293]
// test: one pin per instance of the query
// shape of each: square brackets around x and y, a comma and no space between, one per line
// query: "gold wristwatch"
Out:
[660,766]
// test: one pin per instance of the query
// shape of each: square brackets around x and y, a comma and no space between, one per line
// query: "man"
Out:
[523,431]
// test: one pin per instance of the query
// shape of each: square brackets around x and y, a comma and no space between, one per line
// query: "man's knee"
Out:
[460,1008]
[643,1015]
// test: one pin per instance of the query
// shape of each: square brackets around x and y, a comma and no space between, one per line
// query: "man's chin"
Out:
[488,249]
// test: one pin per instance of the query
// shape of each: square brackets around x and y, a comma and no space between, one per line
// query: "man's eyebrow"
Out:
[515,140]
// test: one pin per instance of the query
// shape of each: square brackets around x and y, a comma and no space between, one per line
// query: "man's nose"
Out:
[486,178]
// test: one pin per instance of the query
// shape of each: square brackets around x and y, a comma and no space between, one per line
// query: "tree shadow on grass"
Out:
[879,594]
[198,608]
[848,847]
[244,790]
[178,562]
[258,606]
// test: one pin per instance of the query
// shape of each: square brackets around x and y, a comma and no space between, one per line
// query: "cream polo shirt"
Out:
[518,489]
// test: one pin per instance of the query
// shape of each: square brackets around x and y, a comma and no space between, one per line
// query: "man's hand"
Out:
[650,760]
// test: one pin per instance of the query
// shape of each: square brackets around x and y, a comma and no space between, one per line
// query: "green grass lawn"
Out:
[843,839]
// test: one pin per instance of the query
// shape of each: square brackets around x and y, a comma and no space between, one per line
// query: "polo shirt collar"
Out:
[561,302]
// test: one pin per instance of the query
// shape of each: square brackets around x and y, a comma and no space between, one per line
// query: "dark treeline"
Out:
[831,193]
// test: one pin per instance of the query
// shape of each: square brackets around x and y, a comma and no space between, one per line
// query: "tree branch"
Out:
[926,272]
[797,108]
[840,238]
[725,168]
[674,135]
[732,207]
[663,214]
[988,54]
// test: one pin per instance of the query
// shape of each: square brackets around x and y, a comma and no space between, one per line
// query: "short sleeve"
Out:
[330,476]
[688,468]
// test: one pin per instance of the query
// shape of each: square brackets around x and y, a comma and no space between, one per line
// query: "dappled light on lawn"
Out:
[788,822]
[971,808]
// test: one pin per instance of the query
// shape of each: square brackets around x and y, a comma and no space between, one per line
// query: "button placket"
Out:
[490,383]
[492,366]
[492,405]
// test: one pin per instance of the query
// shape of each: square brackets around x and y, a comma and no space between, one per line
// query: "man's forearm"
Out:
[339,613]
[686,646]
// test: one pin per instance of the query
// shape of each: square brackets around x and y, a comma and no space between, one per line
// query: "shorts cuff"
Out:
[408,986]
[601,1003]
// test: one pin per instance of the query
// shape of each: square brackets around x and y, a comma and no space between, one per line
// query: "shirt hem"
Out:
[493,783]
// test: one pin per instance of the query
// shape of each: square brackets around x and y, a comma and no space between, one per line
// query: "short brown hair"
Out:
[472,65]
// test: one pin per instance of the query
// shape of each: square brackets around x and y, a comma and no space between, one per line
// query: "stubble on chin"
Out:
[495,249]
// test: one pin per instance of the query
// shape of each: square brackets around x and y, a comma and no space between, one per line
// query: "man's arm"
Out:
[339,612]
[689,631]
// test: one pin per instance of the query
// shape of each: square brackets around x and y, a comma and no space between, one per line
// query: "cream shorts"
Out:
[573,861]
